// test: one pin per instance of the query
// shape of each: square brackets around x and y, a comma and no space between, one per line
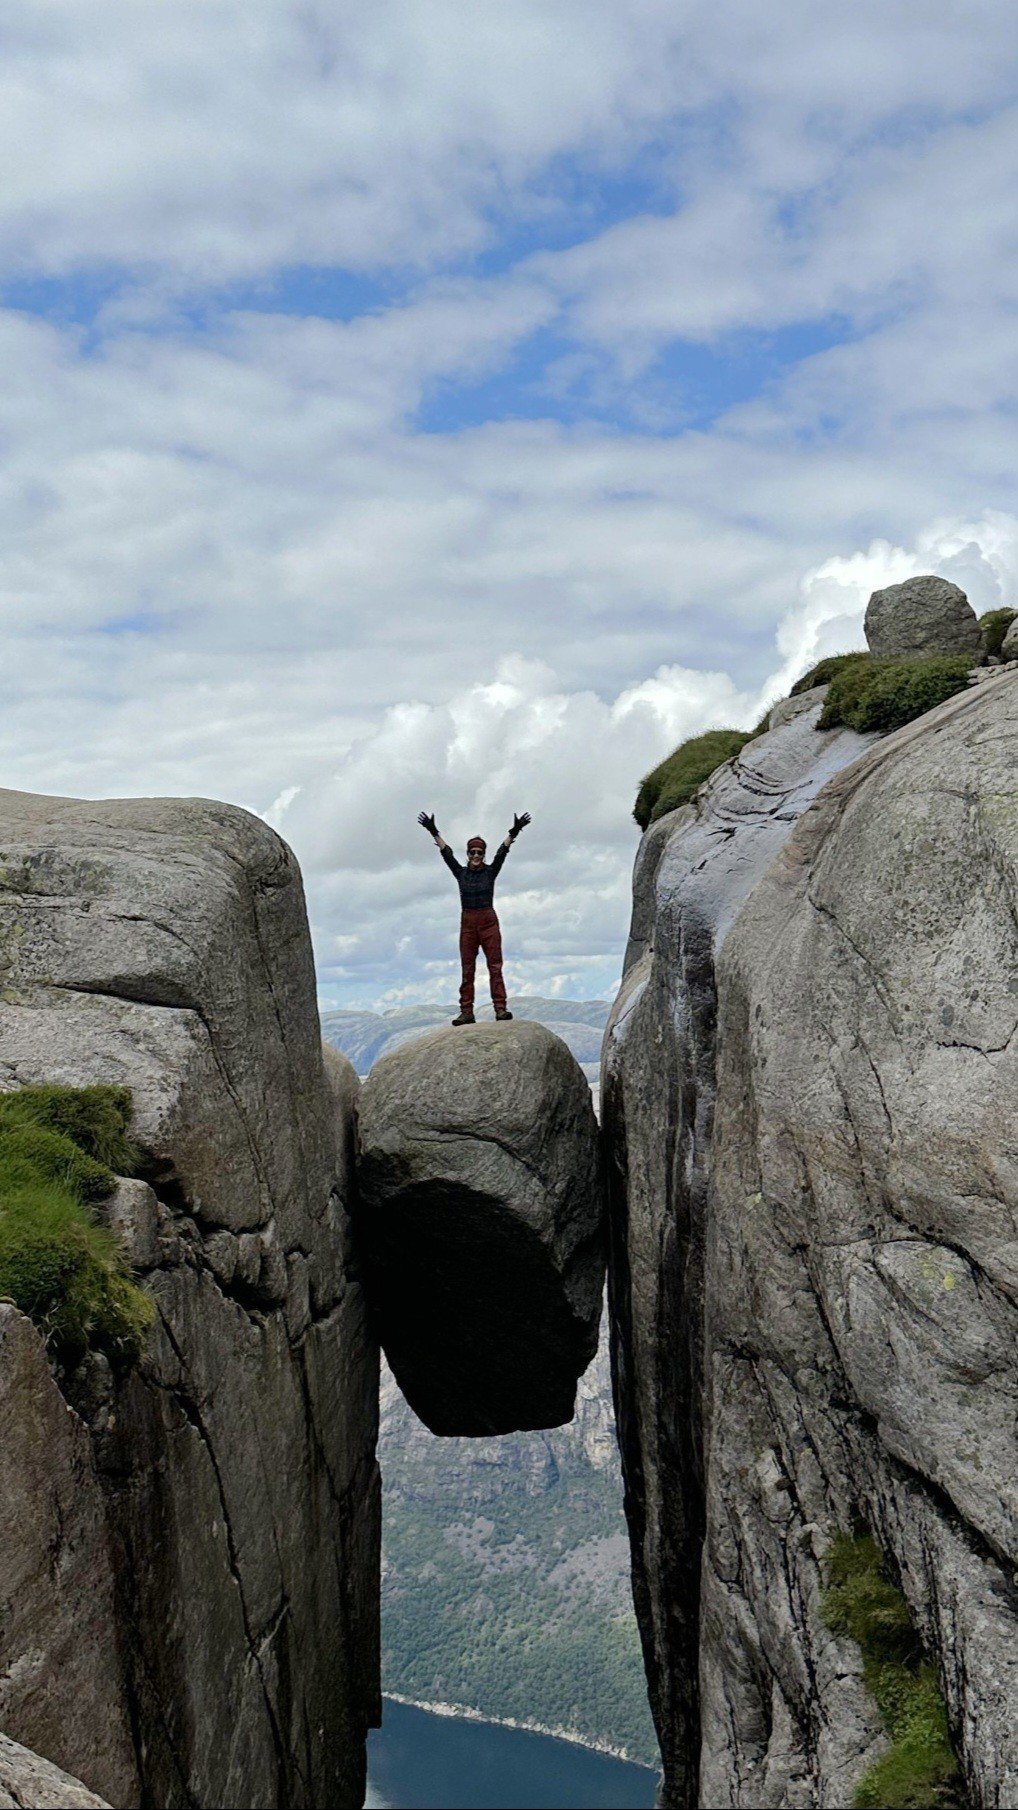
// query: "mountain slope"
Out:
[505,1573]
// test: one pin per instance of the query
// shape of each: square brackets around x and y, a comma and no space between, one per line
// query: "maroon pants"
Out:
[480,930]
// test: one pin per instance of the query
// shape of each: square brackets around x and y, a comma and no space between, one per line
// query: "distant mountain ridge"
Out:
[364,1036]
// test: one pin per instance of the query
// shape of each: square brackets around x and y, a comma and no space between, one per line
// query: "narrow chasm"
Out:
[506,1575]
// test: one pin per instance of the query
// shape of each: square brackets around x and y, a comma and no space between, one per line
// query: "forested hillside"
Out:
[505,1573]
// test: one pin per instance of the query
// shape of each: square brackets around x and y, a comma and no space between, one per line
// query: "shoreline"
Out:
[461,1712]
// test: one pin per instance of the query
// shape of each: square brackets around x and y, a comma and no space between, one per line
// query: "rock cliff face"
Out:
[694,870]
[862,1264]
[58,1632]
[480,1212]
[227,1484]
[29,1783]
[809,1086]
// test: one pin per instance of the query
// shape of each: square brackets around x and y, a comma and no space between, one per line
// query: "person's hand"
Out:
[428,823]
[519,823]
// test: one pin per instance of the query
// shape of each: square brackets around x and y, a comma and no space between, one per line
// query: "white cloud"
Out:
[223,138]
[231,561]
[231,566]
[980,556]
[226,138]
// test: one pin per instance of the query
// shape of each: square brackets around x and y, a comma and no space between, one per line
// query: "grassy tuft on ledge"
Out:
[995,624]
[881,695]
[825,670]
[94,1118]
[674,782]
[871,696]
[59,1147]
[920,1771]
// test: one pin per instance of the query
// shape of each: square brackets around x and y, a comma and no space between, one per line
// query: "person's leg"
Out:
[468,959]
[491,943]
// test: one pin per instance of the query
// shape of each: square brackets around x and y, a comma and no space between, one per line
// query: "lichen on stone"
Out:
[919,1771]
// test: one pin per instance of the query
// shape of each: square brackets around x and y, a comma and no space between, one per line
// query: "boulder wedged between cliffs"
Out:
[480,1224]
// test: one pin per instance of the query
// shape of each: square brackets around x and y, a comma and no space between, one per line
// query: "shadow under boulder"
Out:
[480,1219]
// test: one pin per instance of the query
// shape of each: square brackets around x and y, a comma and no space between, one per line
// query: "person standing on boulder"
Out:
[479,926]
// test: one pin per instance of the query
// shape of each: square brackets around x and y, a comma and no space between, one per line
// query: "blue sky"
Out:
[455,406]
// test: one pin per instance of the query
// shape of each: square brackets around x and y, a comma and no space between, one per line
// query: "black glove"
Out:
[519,823]
[428,823]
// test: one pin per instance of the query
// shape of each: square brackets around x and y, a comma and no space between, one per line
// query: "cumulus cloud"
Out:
[980,556]
[513,743]
[459,530]
[230,565]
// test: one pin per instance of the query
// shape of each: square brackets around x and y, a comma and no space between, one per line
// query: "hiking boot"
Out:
[465,1018]
[503,1015]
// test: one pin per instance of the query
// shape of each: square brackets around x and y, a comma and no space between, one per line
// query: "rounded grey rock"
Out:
[921,617]
[480,1219]
[787,709]
[1009,645]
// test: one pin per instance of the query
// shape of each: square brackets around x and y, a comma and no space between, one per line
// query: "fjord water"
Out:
[419,1760]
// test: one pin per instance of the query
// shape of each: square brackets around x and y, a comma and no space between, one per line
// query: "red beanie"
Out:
[476,842]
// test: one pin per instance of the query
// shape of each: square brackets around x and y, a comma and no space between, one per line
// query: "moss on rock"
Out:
[919,1772]
[96,1119]
[30,1153]
[57,1264]
[825,670]
[881,695]
[994,625]
[674,782]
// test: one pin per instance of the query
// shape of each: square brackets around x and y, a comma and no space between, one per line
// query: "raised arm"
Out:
[429,824]
[518,824]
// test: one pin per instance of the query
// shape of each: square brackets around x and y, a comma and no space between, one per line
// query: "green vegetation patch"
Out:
[506,1582]
[825,670]
[920,1771]
[674,782]
[995,625]
[493,1597]
[94,1118]
[880,695]
[59,1147]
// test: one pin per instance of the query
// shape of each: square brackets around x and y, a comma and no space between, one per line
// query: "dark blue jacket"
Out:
[476,884]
